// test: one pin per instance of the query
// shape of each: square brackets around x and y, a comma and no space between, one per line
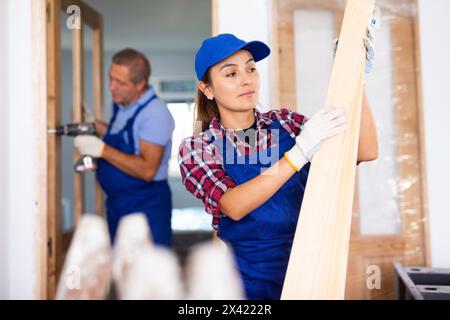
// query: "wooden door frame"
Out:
[57,240]
[422,149]
[214,17]
[38,42]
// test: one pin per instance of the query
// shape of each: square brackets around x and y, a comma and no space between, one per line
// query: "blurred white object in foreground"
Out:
[153,275]
[212,274]
[87,269]
[142,270]
[133,235]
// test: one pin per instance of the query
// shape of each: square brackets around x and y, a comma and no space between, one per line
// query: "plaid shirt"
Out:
[201,163]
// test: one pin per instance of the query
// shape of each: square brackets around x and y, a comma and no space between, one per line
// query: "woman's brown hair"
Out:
[205,109]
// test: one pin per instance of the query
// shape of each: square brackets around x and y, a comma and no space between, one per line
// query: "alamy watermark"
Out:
[232,147]
[73,278]
[73,21]
[374,279]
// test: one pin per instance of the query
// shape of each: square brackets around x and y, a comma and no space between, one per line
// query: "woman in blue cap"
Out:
[250,168]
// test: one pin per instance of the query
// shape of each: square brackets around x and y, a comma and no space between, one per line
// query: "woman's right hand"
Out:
[326,123]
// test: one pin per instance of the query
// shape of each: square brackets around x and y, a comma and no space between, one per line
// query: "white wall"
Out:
[4,285]
[21,222]
[435,62]
[19,184]
[313,36]
[250,20]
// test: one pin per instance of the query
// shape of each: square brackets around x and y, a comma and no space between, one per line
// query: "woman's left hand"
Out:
[369,41]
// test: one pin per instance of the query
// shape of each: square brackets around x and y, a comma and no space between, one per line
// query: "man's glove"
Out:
[89,146]
[326,123]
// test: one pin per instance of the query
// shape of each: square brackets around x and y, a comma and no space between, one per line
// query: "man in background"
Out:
[135,150]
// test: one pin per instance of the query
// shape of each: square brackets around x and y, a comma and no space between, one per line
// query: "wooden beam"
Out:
[56,237]
[39,42]
[355,280]
[313,4]
[421,127]
[77,112]
[97,75]
[285,77]
[214,17]
[275,53]
[54,145]
[318,264]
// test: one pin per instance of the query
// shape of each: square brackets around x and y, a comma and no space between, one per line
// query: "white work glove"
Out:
[89,146]
[369,43]
[326,123]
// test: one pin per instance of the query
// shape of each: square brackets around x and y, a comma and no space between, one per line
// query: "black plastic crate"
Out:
[419,283]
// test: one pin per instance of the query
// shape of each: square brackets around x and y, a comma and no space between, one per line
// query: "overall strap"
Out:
[113,117]
[136,113]
[129,125]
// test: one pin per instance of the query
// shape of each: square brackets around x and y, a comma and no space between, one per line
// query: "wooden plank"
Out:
[214,17]
[422,151]
[39,41]
[54,145]
[88,14]
[318,264]
[314,4]
[275,53]
[355,275]
[77,113]
[97,75]
[286,55]
[381,246]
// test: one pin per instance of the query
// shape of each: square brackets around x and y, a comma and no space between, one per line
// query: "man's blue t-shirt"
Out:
[153,124]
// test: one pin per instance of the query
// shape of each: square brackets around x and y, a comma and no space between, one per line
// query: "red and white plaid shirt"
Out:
[201,164]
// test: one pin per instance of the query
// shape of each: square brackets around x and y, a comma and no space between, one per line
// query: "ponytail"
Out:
[205,109]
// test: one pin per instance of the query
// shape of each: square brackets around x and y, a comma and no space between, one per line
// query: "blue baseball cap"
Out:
[218,48]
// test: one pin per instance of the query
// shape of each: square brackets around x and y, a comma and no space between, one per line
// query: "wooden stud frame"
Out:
[39,41]
[54,146]
[58,240]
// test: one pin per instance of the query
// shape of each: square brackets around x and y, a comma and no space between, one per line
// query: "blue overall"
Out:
[262,240]
[127,194]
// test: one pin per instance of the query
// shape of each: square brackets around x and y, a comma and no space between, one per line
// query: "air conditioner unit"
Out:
[175,89]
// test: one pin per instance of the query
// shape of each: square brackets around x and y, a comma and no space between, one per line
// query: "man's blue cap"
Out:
[218,48]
